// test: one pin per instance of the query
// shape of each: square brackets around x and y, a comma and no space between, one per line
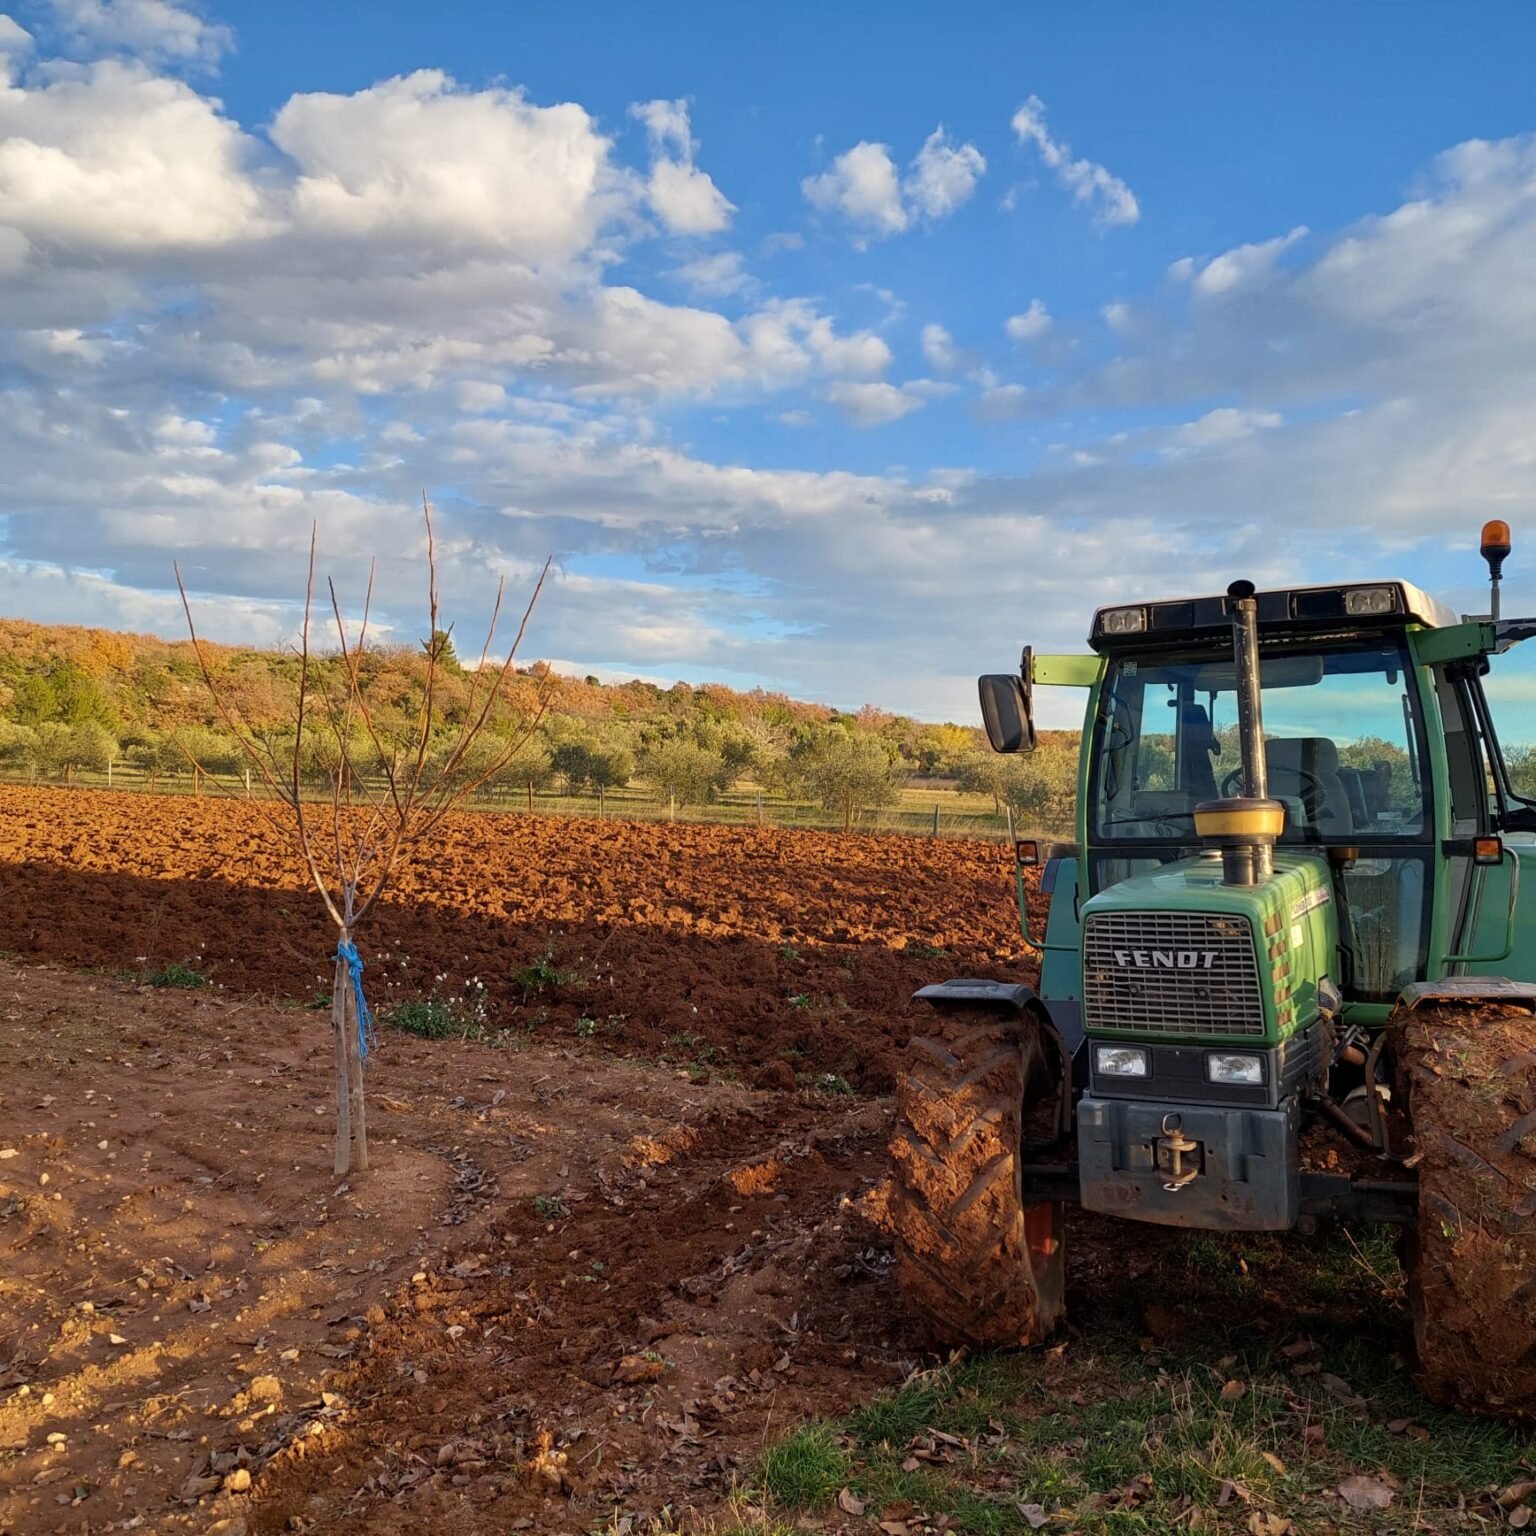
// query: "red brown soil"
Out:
[769,947]
[639,1271]
[1470,1081]
[393,1355]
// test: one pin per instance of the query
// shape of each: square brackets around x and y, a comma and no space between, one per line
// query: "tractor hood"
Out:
[1178,954]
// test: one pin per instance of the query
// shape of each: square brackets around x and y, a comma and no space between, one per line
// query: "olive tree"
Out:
[845,770]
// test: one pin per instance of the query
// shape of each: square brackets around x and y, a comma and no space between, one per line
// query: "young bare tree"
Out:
[355,794]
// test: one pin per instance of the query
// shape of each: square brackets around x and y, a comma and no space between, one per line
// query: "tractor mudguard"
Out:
[973,990]
[1452,990]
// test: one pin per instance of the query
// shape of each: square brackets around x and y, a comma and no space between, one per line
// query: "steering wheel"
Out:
[1313,796]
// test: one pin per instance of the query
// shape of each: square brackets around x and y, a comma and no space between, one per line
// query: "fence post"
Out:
[247,783]
[671,805]
[602,804]
[109,773]
[759,807]
[1011,838]
[530,797]
[935,831]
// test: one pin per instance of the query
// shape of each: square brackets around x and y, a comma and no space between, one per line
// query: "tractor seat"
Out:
[1306,768]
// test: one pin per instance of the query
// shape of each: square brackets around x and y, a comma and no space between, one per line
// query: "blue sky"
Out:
[839,349]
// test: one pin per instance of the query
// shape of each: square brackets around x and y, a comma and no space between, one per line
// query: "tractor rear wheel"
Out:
[1469,1077]
[977,1265]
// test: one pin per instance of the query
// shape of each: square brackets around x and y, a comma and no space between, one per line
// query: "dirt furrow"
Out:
[712,1284]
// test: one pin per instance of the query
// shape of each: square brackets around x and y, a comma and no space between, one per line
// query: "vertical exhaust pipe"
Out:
[1245,828]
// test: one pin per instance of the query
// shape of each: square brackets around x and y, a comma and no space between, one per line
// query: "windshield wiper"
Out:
[1122,821]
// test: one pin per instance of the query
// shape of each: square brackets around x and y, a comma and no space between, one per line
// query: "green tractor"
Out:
[1286,975]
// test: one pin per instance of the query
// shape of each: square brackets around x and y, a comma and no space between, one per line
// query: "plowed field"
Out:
[775,954]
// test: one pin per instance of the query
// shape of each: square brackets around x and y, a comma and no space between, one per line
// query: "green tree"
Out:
[63,750]
[18,745]
[1040,786]
[692,774]
[441,645]
[844,770]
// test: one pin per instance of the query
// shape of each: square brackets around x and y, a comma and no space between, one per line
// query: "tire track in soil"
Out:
[532,1390]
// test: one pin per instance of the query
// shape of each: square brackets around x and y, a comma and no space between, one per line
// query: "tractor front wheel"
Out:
[1469,1076]
[976,1263]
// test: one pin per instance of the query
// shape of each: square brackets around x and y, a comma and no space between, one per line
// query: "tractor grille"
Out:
[1171,973]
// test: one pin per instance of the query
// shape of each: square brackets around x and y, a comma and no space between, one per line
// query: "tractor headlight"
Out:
[1120,1061]
[1367,602]
[1230,1067]
[1124,621]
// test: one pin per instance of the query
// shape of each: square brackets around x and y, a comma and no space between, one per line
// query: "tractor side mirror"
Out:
[1008,712]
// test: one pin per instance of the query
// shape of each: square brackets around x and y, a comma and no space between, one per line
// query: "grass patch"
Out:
[542,976]
[807,1468]
[176,974]
[435,1018]
[1275,1373]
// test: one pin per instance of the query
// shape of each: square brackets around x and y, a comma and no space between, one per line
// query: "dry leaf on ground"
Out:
[1362,1492]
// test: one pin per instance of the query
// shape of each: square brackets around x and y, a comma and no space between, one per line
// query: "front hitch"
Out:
[1170,1151]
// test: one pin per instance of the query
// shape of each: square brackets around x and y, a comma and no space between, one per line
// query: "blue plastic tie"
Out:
[348,952]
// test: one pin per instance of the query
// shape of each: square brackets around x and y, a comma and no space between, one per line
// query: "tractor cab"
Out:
[1347,710]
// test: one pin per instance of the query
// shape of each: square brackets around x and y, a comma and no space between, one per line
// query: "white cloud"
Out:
[939,348]
[875,405]
[863,186]
[1031,325]
[1221,427]
[1111,200]
[1002,402]
[722,273]
[682,196]
[686,200]
[15,40]
[154,31]
[943,176]
[666,124]
[1237,268]
[478,395]
[420,159]
[109,158]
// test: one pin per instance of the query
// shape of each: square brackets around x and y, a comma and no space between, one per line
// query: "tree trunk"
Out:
[340,991]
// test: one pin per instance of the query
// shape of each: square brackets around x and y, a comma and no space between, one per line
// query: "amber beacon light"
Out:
[1495,548]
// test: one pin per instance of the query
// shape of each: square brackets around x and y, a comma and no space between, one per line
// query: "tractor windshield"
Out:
[1340,724]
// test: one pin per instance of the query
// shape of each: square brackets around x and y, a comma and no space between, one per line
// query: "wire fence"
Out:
[934,809]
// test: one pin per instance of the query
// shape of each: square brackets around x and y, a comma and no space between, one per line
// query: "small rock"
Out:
[238,1481]
[266,1389]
